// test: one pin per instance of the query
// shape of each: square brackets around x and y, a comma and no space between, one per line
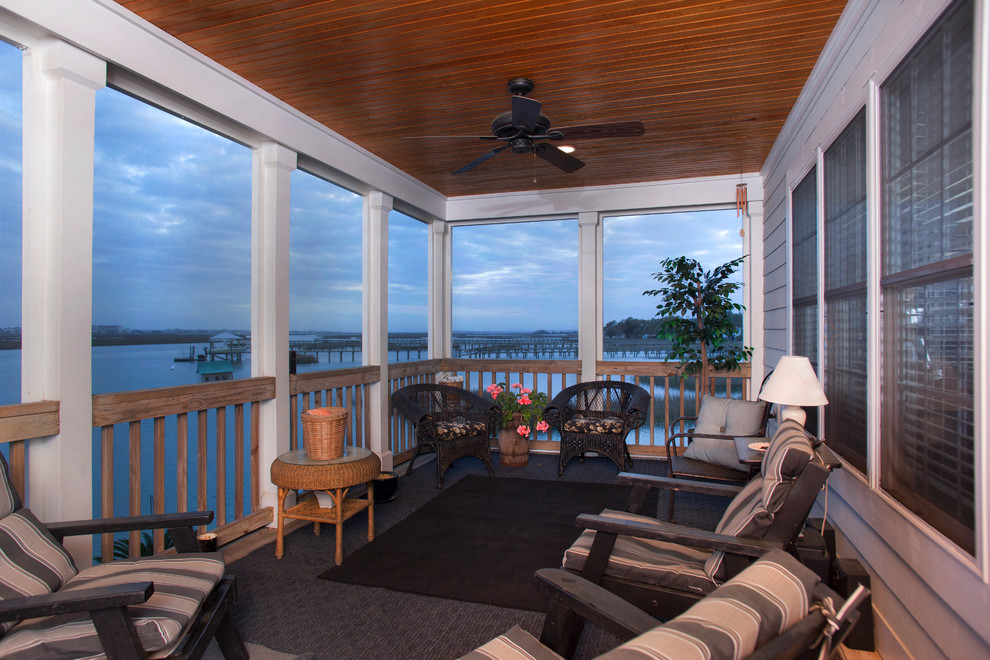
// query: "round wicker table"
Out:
[295,471]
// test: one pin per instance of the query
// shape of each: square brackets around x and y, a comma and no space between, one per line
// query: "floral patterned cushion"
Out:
[611,425]
[454,430]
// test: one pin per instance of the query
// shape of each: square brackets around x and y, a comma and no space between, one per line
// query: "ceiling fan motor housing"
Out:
[502,126]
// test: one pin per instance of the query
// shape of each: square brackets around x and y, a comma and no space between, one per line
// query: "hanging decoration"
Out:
[742,204]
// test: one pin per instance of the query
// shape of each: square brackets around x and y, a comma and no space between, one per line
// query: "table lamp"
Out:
[791,385]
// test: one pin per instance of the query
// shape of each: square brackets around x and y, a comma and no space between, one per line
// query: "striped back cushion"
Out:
[788,454]
[745,517]
[516,644]
[182,583]
[32,562]
[734,620]
[9,499]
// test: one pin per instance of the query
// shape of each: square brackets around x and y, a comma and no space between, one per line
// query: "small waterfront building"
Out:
[215,370]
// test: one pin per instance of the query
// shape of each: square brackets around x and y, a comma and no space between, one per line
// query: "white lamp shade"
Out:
[794,383]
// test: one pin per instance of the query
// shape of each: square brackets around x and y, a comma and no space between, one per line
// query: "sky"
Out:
[172,230]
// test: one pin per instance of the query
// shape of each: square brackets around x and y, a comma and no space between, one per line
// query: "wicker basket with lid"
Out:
[323,433]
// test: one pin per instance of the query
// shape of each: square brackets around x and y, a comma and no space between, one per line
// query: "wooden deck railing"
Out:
[154,410]
[20,423]
[163,420]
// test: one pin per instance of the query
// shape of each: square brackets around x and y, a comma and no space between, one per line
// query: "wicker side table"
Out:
[295,471]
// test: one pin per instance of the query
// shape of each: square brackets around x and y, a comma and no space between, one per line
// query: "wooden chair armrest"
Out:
[673,483]
[180,526]
[688,536]
[76,600]
[593,603]
[129,523]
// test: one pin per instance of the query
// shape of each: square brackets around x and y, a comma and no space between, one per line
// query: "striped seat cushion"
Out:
[645,560]
[182,583]
[788,454]
[9,499]
[733,621]
[751,513]
[32,562]
[517,644]
[610,425]
[746,517]
[454,430]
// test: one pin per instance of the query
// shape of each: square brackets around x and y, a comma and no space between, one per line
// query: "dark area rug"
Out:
[481,540]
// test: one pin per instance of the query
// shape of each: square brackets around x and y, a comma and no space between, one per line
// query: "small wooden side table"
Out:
[295,471]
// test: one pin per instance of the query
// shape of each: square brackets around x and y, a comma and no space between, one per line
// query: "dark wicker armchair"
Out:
[449,421]
[597,416]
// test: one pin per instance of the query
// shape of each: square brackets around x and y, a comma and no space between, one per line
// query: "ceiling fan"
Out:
[525,129]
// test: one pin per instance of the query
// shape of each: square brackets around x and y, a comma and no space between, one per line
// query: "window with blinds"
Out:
[844,247]
[927,278]
[804,275]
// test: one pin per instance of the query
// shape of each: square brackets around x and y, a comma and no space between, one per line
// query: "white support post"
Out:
[374,342]
[589,294]
[273,166]
[57,321]
[438,255]
[753,287]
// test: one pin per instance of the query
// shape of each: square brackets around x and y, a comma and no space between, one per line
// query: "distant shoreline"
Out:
[136,339]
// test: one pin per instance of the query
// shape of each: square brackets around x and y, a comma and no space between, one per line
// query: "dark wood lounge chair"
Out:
[775,609]
[110,608]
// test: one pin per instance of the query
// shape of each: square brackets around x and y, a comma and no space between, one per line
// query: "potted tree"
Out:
[696,315]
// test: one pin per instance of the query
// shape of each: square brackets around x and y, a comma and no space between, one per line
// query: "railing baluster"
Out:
[159,480]
[202,471]
[239,438]
[255,456]
[106,487]
[221,466]
[134,437]
[182,461]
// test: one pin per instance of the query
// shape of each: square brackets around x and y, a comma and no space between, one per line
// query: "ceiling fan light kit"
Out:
[524,129]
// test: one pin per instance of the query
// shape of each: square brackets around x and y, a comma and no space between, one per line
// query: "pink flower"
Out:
[517,386]
[523,431]
[525,400]
[542,425]
[525,390]
[494,390]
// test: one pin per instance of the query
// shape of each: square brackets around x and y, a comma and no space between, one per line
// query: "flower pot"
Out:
[513,448]
[386,483]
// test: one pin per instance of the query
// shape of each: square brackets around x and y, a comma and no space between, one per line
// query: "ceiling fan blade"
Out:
[482,158]
[613,130]
[555,156]
[525,112]
[433,137]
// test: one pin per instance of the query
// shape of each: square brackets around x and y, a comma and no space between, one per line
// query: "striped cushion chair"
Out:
[653,559]
[776,608]
[128,608]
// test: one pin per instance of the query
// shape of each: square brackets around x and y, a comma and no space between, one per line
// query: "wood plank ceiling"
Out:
[712,80]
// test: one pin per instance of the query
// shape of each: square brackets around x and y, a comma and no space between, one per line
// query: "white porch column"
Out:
[589,294]
[57,320]
[374,341]
[273,166]
[438,259]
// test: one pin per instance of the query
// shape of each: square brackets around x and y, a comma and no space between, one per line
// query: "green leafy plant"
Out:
[698,316]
